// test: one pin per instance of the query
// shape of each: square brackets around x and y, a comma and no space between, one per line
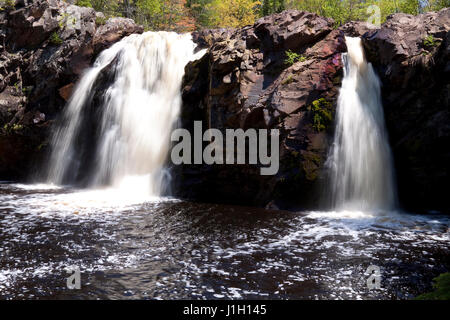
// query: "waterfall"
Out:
[362,174]
[130,128]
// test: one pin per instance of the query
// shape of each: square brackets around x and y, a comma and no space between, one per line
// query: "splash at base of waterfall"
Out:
[123,143]
[361,166]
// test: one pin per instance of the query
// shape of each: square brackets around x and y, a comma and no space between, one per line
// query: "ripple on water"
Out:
[166,249]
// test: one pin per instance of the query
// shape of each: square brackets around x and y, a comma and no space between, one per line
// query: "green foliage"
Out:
[348,10]
[15,127]
[62,20]
[100,20]
[436,5]
[170,15]
[7,4]
[55,39]
[232,13]
[430,42]
[187,15]
[199,11]
[322,114]
[293,57]
[441,289]
[288,80]
[273,6]
[84,3]
[112,7]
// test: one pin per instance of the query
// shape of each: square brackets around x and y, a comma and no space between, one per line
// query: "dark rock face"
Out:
[46,47]
[412,57]
[243,82]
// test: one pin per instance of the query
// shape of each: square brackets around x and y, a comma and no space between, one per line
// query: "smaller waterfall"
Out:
[129,133]
[362,174]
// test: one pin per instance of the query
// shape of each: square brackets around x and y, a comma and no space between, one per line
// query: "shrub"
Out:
[322,114]
[429,41]
[55,39]
[100,21]
[84,3]
[293,57]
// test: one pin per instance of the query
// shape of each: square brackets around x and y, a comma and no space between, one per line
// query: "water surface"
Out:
[139,248]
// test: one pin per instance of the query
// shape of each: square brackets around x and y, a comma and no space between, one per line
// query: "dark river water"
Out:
[134,248]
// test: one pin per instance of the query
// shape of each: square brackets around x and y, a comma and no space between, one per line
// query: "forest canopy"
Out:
[189,15]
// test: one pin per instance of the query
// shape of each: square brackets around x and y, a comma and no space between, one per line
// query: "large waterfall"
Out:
[132,123]
[362,176]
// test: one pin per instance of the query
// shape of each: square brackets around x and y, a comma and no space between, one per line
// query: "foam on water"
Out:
[210,250]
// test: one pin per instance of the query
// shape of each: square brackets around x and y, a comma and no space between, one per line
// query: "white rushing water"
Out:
[136,118]
[362,173]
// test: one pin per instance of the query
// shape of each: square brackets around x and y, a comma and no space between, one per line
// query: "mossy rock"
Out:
[322,114]
[441,289]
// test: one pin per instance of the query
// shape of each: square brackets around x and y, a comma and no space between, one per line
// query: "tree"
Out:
[170,15]
[199,11]
[343,11]
[273,6]
[108,7]
[233,13]
[187,15]
[436,5]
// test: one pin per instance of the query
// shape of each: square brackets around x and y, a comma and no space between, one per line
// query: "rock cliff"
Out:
[284,72]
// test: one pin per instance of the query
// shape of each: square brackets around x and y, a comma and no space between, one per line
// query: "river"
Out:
[162,248]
